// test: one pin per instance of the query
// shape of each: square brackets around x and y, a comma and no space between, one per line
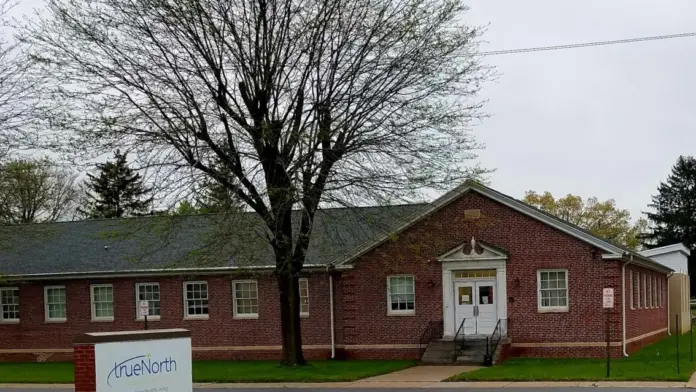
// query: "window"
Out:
[401,295]
[654,283]
[9,304]
[645,290]
[630,283]
[553,290]
[54,302]
[149,292]
[245,296]
[304,297]
[475,274]
[102,302]
[196,299]
[659,285]
[638,304]
[649,291]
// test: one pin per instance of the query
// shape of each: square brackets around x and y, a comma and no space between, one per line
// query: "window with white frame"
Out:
[650,298]
[553,289]
[659,285]
[9,304]
[102,302]
[401,294]
[630,284]
[645,290]
[654,293]
[55,303]
[149,292]
[638,304]
[196,299]
[245,297]
[304,297]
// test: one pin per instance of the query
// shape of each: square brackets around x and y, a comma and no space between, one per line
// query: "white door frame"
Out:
[449,307]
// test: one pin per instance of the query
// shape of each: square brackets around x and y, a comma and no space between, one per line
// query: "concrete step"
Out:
[470,359]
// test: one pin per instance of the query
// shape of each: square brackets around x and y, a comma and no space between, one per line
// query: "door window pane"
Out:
[465,295]
[485,295]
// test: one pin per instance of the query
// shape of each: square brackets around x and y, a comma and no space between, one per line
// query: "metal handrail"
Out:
[492,343]
[432,329]
[456,337]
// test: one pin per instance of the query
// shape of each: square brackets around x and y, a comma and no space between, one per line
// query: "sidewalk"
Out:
[416,377]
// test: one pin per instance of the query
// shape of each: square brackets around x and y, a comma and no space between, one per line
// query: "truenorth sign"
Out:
[161,365]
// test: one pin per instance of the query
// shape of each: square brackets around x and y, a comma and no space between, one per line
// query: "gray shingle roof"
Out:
[191,241]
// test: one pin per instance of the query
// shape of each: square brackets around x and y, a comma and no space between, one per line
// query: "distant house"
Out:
[379,282]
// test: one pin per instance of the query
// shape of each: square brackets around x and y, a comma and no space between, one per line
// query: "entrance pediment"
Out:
[473,251]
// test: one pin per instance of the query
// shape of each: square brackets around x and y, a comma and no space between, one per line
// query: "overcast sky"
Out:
[605,121]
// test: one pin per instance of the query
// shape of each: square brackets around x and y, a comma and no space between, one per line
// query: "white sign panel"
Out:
[144,308]
[144,366]
[608,298]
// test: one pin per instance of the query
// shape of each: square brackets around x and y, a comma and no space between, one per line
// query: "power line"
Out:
[586,44]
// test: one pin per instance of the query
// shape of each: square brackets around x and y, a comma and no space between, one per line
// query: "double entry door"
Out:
[475,302]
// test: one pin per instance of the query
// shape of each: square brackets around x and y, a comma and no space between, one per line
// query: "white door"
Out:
[465,301]
[486,315]
[475,302]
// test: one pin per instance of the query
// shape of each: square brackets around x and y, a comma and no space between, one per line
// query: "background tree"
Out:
[673,219]
[304,102]
[116,191]
[603,219]
[33,191]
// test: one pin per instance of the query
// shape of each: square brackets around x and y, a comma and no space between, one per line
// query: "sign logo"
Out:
[138,366]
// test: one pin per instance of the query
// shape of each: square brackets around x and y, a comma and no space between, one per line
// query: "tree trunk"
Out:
[289,290]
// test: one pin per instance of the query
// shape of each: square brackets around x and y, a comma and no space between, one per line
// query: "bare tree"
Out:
[303,101]
[36,191]
[16,98]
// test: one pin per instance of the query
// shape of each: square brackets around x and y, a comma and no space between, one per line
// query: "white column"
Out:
[447,305]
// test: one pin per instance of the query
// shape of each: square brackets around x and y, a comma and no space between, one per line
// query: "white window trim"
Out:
[138,317]
[304,314]
[10,321]
[47,317]
[654,283]
[236,314]
[649,292]
[645,290]
[91,302]
[391,312]
[633,294]
[195,316]
[553,309]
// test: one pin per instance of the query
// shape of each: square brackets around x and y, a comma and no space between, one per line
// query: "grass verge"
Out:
[220,371]
[657,362]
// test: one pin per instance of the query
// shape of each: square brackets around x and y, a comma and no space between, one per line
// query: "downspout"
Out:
[623,305]
[331,312]
[669,330]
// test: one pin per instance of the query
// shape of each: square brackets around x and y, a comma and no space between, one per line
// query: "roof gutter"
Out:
[154,272]
[638,260]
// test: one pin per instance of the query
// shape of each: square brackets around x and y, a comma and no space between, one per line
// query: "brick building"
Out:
[379,282]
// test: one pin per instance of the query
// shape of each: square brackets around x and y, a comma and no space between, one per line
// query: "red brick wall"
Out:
[531,246]
[641,321]
[85,372]
[220,330]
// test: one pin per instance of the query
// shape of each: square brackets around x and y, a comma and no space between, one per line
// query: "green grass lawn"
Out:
[657,362]
[221,371]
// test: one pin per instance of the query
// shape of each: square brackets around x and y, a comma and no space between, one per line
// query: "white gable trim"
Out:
[458,253]
[471,186]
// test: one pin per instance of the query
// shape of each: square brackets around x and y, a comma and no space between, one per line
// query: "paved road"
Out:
[515,389]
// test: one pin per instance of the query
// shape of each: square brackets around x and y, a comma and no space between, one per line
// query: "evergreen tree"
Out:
[116,191]
[216,198]
[674,217]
